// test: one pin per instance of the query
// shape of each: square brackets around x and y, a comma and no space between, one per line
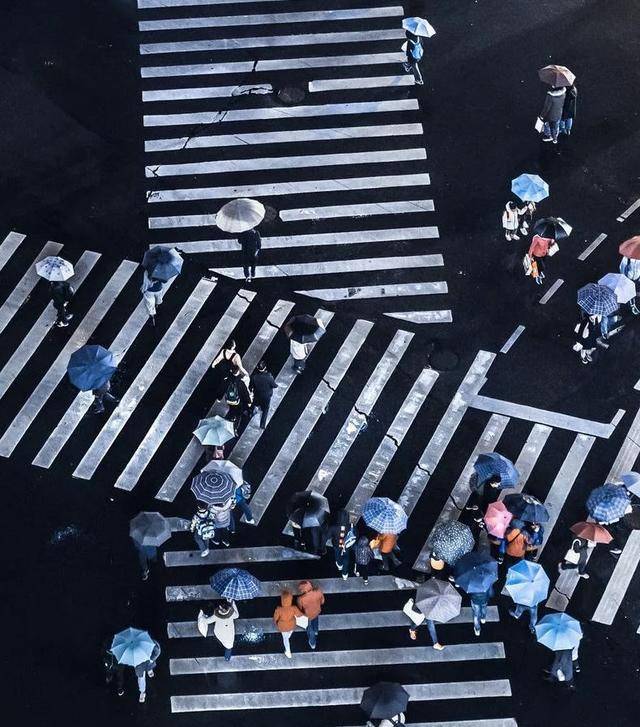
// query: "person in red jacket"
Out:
[538,250]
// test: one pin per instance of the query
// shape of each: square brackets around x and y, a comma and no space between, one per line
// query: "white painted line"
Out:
[588,250]
[629,211]
[28,345]
[547,296]
[140,385]
[292,162]
[271,41]
[143,4]
[226,21]
[9,245]
[619,581]
[377,291]
[358,416]
[313,410]
[58,369]
[357,210]
[165,223]
[423,316]
[287,137]
[498,722]
[25,286]
[284,112]
[338,84]
[183,94]
[391,441]
[512,339]
[260,554]
[528,457]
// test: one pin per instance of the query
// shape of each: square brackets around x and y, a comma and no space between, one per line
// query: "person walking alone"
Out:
[224,629]
[102,394]
[152,294]
[310,602]
[343,538]
[284,617]
[145,670]
[551,113]
[415,53]
[569,110]
[251,243]
[262,385]
[479,604]
[61,295]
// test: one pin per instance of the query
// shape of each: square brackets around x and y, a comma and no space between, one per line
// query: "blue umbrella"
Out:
[213,487]
[162,263]
[419,26]
[450,540]
[597,300]
[608,503]
[235,584]
[475,572]
[384,515]
[132,646]
[527,583]
[530,188]
[558,631]
[631,481]
[90,367]
[526,507]
[490,464]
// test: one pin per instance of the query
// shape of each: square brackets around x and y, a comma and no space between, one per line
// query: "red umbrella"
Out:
[592,531]
[497,518]
[631,248]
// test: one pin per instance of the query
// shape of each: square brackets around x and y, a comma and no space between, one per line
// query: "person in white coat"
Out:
[223,618]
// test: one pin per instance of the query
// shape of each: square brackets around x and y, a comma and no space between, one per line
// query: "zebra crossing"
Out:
[212,80]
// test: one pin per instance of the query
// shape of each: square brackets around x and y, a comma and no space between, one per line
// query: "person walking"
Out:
[419,620]
[261,386]
[577,557]
[221,514]
[343,538]
[310,602]
[511,221]
[415,53]
[364,558]
[284,617]
[515,542]
[203,528]
[145,670]
[538,251]
[102,394]
[389,721]
[482,495]
[479,604]
[586,330]
[238,398]
[113,670]
[569,109]
[630,268]
[224,629]
[386,544]
[147,554]
[251,242]
[565,663]
[224,363]
[551,113]
[242,495]
[152,294]
[534,535]
[61,295]
[531,610]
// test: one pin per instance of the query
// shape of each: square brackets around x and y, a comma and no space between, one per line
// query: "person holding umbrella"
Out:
[569,109]
[475,573]
[437,601]
[415,29]
[528,585]
[160,265]
[385,704]
[213,433]
[89,369]
[242,216]
[222,617]
[388,519]
[588,535]
[148,530]
[559,78]
[624,291]
[562,634]
[251,243]
[57,271]
[203,528]
[302,330]
[343,539]
[364,557]
[134,647]
[307,512]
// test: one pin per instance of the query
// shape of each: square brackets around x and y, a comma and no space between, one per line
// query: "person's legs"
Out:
[533,617]
[417,73]
[149,303]
[312,632]
[245,270]
[363,570]
[568,125]
[517,610]
[475,608]
[286,640]
[264,412]
[546,132]
[555,128]
[245,508]
[202,544]
[142,685]
[431,628]
[120,679]
[222,536]
[144,561]
[227,654]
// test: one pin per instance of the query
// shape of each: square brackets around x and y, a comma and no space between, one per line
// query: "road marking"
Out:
[271,41]
[163,223]
[547,296]
[285,112]
[28,345]
[179,397]
[588,250]
[338,84]
[183,94]
[140,385]
[193,451]
[260,554]
[39,396]
[334,697]
[291,162]
[377,291]
[498,722]
[357,210]
[528,457]
[18,296]
[629,211]
[512,339]
[391,441]
[423,316]
[313,410]
[287,137]
[619,581]
[358,416]
[10,244]
[143,4]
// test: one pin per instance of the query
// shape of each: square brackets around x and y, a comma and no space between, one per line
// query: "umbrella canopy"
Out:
[419,26]
[162,263]
[90,367]
[527,583]
[497,519]
[558,631]
[149,528]
[213,488]
[623,288]
[226,467]
[307,509]
[450,540]
[490,464]
[530,188]
[132,646]
[556,75]
[631,248]
[596,300]
[305,328]
[438,600]
[384,700]
[384,515]
[608,503]
[526,507]
[476,572]
[54,268]
[552,227]
[592,531]
[214,431]
[631,481]
[240,215]
[235,584]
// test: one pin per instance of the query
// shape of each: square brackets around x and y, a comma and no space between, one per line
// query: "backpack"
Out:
[416,50]
[232,394]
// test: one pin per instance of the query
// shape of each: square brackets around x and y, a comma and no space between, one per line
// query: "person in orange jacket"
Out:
[386,543]
[284,617]
[310,602]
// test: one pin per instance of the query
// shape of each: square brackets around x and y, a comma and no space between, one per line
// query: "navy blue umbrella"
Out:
[235,584]
[608,503]
[90,367]
[475,572]
[526,507]
[493,464]
[162,263]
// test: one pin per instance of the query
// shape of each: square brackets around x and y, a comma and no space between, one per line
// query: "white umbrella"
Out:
[224,465]
[419,26]
[240,215]
[623,288]
[54,268]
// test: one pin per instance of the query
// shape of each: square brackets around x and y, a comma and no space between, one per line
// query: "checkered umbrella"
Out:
[214,431]
[149,528]
[596,300]
[438,600]
[450,541]
[608,503]
[558,631]
[530,188]
[526,507]
[235,584]
[623,288]
[213,488]
[527,583]
[553,227]
[226,467]
[162,263]
[490,464]
[132,646]
[54,268]
[384,515]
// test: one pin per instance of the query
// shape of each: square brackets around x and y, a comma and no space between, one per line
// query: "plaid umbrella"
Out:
[553,227]
[213,488]
[623,288]
[384,515]
[631,248]
[307,509]
[90,367]
[596,300]
[438,600]
[526,507]
[450,540]
[214,431]
[556,75]
[162,263]
[149,528]
[54,268]
[305,328]
[240,215]
[527,583]
[497,519]
[226,467]
[384,700]
[419,26]
[631,481]
[490,464]
[592,531]
[530,188]
[132,646]
[235,584]
[475,572]
[608,503]
[558,631]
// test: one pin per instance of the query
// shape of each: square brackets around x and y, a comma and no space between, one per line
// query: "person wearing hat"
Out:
[223,617]
[262,385]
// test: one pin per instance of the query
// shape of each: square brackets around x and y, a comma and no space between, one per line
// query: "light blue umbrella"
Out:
[384,515]
[132,646]
[214,431]
[558,631]
[530,188]
[631,481]
[527,583]
[419,26]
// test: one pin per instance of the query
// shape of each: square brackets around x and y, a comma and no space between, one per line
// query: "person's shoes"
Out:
[419,83]
[476,631]
[249,279]
[547,138]
[515,237]
[150,674]
[120,692]
[145,575]
[576,667]
[62,324]
[216,542]
[500,560]
[312,646]
[583,575]
[98,409]
[532,629]
[204,553]
[483,620]
[438,646]
[406,67]
[365,581]
[514,614]
[555,141]
[143,696]
[251,522]
[412,634]
[472,507]
[601,342]
[226,543]
[152,321]
[615,551]
[227,658]
[345,576]
[287,653]
[246,280]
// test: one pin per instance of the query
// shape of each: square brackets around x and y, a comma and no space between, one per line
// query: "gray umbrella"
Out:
[438,600]
[450,541]
[149,528]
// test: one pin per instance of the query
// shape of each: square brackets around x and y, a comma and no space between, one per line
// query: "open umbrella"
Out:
[553,227]
[419,26]
[475,572]
[530,188]
[497,519]
[438,600]
[54,268]
[149,528]
[235,584]
[162,263]
[608,503]
[132,646]
[558,631]
[214,431]
[596,300]
[240,215]
[556,75]
[631,248]
[623,288]
[307,509]
[213,488]
[526,507]
[592,531]
[527,583]
[450,540]
[491,464]
[384,515]
[226,467]
[631,481]
[305,328]
[90,367]
[384,700]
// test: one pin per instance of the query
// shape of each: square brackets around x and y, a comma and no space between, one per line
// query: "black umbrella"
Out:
[307,509]
[305,328]
[554,227]
[384,700]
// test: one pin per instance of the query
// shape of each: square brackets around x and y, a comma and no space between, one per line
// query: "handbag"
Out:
[302,621]
[203,626]
[571,556]
[553,249]
[409,610]
[539,125]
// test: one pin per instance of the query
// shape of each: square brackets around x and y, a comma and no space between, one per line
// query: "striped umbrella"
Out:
[235,584]
[213,488]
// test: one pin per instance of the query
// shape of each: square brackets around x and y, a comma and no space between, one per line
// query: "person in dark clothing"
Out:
[551,113]
[112,669]
[587,330]
[364,558]
[343,538]
[482,495]
[147,554]
[250,242]
[565,663]
[262,386]
[238,398]
[100,395]
[61,295]
[569,110]
[577,557]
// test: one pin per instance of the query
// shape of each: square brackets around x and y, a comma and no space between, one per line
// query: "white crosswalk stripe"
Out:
[359,210]
[340,84]
[377,291]
[9,245]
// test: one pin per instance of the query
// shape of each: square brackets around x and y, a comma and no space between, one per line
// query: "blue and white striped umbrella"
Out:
[384,515]
[132,646]
[597,300]
[490,464]
[608,503]
[558,631]
[530,188]
[213,488]
[527,583]
[235,584]
[419,26]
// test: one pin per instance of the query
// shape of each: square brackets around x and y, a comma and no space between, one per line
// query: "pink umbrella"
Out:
[497,518]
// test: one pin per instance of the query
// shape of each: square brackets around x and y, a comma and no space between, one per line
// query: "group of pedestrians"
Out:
[559,108]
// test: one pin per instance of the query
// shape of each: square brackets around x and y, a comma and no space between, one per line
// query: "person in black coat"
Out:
[250,243]
[262,385]
[61,294]
[569,110]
